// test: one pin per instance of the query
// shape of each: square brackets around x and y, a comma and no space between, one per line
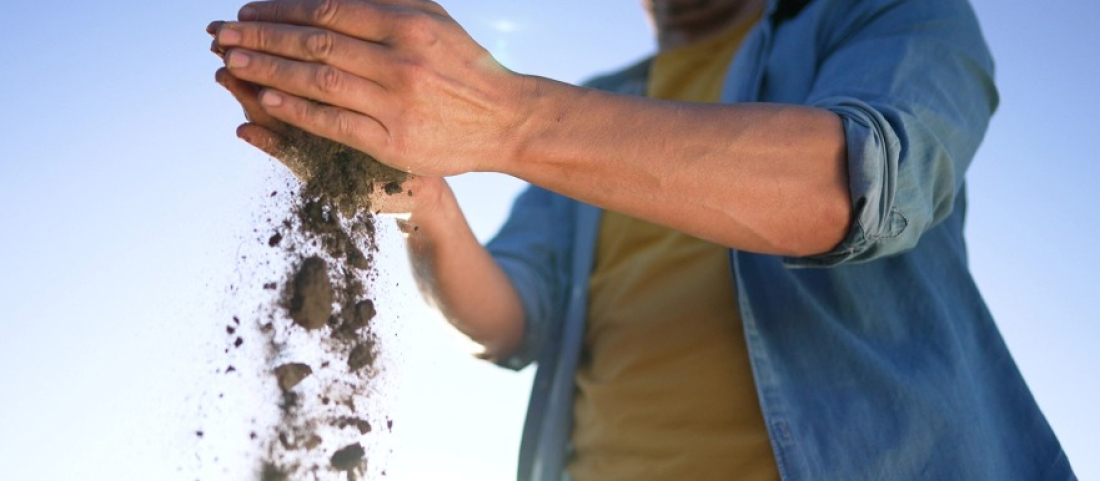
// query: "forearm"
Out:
[457,274]
[757,177]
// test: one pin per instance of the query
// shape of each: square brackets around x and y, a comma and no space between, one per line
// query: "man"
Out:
[770,286]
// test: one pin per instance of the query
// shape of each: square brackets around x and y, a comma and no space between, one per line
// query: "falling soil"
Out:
[328,242]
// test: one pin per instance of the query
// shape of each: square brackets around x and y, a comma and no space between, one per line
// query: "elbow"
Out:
[824,213]
[825,224]
[830,228]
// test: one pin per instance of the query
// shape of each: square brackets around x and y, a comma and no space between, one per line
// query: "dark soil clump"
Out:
[348,457]
[360,357]
[289,375]
[346,177]
[270,472]
[393,188]
[364,312]
[311,295]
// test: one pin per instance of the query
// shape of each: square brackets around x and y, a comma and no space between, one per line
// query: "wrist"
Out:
[525,125]
[545,127]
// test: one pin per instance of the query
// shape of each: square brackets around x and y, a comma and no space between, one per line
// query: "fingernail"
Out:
[271,99]
[247,14]
[229,37]
[237,60]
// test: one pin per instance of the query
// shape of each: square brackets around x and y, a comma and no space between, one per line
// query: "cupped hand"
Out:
[398,79]
[417,194]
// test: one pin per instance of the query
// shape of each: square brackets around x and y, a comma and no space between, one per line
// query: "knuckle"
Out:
[343,126]
[328,79]
[262,38]
[323,12]
[312,113]
[434,8]
[271,68]
[416,26]
[410,72]
[335,123]
[278,12]
[319,45]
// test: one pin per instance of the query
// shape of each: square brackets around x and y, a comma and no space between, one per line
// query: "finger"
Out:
[247,95]
[373,21]
[305,43]
[274,145]
[320,82]
[213,27]
[261,138]
[353,129]
[216,50]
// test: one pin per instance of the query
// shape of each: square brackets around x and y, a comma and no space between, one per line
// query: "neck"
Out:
[678,26]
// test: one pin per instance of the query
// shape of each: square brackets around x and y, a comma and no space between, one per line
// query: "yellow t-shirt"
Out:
[664,387]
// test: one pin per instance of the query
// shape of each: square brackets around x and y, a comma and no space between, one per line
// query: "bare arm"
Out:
[414,91]
[757,177]
[456,272]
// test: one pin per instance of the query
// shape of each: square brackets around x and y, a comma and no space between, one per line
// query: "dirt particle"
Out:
[360,357]
[357,260]
[393,188]
[361,316]
[271,472]
[362,425]
[290,374]
[312,442]
[290,401]
[348,458]
[275,239]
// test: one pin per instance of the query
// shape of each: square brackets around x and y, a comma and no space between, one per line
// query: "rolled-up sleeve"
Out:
[912,82]
[533,248]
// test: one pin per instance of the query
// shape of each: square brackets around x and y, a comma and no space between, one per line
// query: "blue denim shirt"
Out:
[878,360]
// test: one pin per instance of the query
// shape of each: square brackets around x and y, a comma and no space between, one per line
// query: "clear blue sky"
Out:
[124,199]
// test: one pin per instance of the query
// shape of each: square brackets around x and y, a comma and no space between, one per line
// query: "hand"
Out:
[417,194]
[419,202]
[398,79]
